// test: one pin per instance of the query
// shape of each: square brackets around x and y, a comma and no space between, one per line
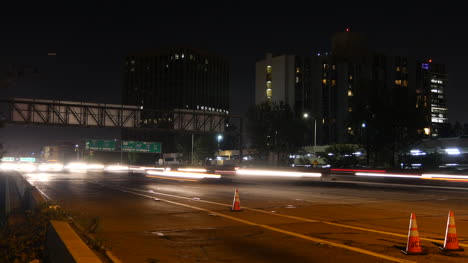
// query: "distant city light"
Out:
[427,131]
[51,54]
[347,29]
[430,60]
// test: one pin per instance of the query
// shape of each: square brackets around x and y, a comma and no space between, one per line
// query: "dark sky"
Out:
[92,40]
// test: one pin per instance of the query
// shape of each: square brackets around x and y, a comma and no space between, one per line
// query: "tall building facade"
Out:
[432,95]
[351,87]
[173,79]
[177,78]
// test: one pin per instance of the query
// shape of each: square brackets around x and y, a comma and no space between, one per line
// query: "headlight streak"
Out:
[52,167]
[277,173]
[184,174]
[443,176]
[388,175]
[357,170]
[192,170]
[116,168]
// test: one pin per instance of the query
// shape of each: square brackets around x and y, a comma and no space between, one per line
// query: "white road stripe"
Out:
[359,250]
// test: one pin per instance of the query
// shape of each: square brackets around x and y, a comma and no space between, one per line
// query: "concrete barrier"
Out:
[65,246]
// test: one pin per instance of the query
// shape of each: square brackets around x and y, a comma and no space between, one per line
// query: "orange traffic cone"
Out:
[451,239]
[413,246]
[236,203]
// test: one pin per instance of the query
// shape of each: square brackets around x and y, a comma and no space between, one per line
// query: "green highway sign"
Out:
[27,159]
[100,145]
[141,147]
[8,159]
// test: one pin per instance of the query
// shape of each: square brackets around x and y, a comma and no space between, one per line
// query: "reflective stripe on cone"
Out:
[413,246]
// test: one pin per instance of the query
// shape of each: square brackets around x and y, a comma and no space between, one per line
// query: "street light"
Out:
[306,116]
[220,138]
[77,150]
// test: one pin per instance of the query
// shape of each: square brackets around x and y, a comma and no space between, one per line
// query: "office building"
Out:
[173,80]
[177,78]
[350,87]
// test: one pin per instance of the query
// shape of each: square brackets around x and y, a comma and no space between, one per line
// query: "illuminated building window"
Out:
[324,81]
[298,70]
[350,93]
[397,69]
[191,56]
[268,69]
[269,93]
[350,109]
[333,66]
[398,81]
[132,62]
[297,79]
[404,69]
[405,83]
[333,83]
[183,56]
[206,61]
[176,56]
[325,66]
[268,84]
[350,77]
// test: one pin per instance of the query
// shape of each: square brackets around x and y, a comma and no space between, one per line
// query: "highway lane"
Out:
[284,220]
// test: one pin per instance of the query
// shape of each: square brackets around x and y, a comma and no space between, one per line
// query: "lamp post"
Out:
[366,138]
[77,150]
[220,138]
[306,116]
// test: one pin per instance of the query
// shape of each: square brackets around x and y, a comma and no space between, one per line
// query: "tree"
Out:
[204,146]
[272,127]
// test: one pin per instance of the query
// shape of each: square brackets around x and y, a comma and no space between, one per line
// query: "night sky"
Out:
[91,42]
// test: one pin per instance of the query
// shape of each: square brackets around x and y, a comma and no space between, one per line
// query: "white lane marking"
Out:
[300,218]
[318,240]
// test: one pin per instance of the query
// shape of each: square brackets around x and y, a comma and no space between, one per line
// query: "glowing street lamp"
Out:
[220,138]
[306,116]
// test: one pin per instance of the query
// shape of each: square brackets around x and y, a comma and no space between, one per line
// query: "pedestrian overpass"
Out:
[84,114]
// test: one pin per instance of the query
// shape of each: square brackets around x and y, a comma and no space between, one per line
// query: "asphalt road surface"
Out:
[341,219]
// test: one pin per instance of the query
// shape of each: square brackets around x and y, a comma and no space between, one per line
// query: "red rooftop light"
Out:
[347,29]
[430,60]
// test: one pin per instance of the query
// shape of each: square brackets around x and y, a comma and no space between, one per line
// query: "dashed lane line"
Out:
[300,218]
[359,250]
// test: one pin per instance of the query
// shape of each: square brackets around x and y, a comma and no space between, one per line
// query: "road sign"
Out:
[100,145]
[141,147]
[27,159]
[8,159]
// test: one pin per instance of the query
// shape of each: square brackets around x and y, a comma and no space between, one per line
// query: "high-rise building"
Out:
[348,88]
[177,78]
[431,94]
[173,79]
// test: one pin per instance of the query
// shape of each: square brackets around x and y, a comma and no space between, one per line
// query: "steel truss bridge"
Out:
[82,114]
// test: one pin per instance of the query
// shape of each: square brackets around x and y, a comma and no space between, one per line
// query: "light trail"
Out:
[389,175]
[276,173]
